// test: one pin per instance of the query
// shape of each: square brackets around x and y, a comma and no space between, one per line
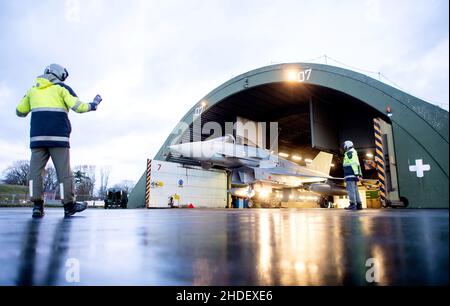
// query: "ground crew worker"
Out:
[49,102]
[352,174]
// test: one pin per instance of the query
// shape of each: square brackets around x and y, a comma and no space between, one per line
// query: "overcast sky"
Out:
[153,60]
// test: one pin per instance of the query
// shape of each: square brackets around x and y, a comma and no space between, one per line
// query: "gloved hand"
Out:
[98,99]
[96,102]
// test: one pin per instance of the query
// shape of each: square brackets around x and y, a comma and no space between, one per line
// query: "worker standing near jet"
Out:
[49,102]
[352,174]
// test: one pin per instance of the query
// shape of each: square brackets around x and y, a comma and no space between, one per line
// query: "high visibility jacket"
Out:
[49,102]
[352,168]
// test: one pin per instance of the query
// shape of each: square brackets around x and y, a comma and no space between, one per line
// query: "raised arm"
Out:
[73,102]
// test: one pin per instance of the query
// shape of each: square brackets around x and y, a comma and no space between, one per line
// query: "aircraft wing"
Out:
[364,182]
[367,182]
[332,178]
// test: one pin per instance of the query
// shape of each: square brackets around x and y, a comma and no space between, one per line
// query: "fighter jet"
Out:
[255,169]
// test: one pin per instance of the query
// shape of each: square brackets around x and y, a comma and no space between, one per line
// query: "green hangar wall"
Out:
[420,129]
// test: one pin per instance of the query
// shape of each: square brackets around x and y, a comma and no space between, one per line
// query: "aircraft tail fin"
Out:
[322,162]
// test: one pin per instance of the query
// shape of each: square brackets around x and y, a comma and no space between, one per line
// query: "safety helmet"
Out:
[58,71]
[348,145]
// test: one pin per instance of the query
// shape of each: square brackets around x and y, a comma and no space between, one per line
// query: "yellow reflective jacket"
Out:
[352,168]
[49,102]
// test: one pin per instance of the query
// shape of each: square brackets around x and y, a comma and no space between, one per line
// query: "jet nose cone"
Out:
[175,149]
[187,150]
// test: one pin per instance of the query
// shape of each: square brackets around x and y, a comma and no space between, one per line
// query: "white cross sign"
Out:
[419,168]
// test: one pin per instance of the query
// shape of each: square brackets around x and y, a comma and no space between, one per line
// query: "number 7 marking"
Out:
[304,75]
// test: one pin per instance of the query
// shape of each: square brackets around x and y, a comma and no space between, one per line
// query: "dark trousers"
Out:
[353,192]
[61,160]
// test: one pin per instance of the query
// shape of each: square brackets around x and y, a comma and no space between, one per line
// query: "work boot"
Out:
[359,206]
[351,207]
[74,207]
[38,209]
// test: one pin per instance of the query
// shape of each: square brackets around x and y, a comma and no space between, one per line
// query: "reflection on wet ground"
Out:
[225,247]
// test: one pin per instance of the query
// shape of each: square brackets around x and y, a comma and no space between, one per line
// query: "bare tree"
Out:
[104,178]
[125,185]
[18,173]
[50,179]
[84,176]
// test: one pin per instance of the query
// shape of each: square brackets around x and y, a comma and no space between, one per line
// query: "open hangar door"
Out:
[310,119]
[349,119]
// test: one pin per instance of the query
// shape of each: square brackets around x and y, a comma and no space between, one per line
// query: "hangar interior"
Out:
[310,119]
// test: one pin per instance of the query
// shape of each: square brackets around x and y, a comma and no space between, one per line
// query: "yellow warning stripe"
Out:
[379,138]
[379,153]
[380,162]
[379,158]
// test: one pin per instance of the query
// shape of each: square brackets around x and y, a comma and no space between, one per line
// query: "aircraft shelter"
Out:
[402,140]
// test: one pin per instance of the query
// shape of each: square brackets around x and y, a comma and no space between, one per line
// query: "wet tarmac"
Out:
[225,247]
